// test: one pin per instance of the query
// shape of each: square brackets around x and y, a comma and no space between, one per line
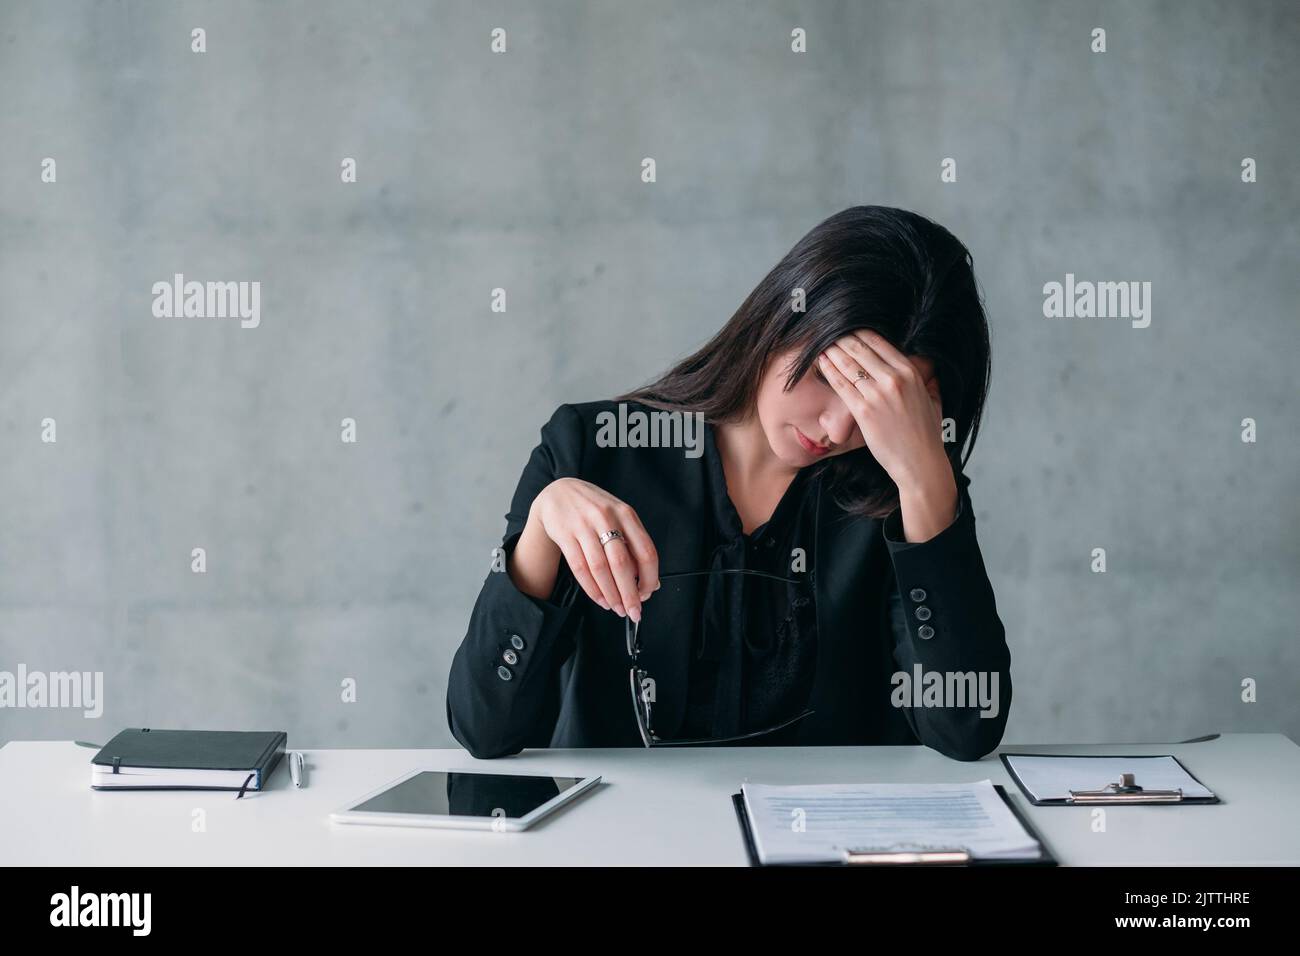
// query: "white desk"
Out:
[659,807]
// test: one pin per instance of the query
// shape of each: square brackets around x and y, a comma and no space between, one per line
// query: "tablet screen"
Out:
[468,794]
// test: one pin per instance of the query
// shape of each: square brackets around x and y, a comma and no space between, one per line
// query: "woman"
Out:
[790,576]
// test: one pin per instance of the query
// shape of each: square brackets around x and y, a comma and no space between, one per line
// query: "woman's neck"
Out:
[747,457]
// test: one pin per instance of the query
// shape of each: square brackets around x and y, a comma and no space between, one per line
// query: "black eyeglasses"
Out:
[642,701]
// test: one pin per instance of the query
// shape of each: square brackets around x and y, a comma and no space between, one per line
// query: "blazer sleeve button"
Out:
[504,672]
[917,594]
[923,613]
[925,632]
[510,657]
[516,642]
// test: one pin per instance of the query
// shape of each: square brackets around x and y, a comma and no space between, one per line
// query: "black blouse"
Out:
[754,654]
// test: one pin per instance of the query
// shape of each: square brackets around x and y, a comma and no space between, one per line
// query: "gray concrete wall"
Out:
[328,560]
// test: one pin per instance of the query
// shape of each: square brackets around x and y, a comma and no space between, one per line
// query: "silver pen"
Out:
[297,764]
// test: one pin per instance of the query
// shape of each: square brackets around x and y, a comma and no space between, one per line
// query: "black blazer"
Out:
[569,684]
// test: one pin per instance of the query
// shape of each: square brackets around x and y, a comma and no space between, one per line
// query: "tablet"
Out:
[464,799]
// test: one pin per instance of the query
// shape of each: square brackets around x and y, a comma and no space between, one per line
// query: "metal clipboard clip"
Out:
[904,853]
[1126,791]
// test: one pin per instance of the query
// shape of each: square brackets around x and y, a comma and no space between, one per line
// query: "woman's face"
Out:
[810,422]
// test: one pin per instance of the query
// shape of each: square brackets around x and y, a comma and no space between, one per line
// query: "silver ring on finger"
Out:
[609,536]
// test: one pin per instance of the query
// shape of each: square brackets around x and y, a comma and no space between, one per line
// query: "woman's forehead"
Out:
[791,355]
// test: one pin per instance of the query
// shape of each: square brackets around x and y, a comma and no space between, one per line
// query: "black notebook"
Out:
[141,758]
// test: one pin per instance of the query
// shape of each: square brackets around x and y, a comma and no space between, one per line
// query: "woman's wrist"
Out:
[928,509]
[535,560]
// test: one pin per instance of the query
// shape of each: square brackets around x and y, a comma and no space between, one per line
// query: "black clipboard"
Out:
[1044,857]
[1061,802]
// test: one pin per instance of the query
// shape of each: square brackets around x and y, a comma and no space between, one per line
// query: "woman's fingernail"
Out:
[635,614]
[621,612]
[603,603]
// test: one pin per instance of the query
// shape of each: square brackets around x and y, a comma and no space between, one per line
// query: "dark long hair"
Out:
[868,267]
